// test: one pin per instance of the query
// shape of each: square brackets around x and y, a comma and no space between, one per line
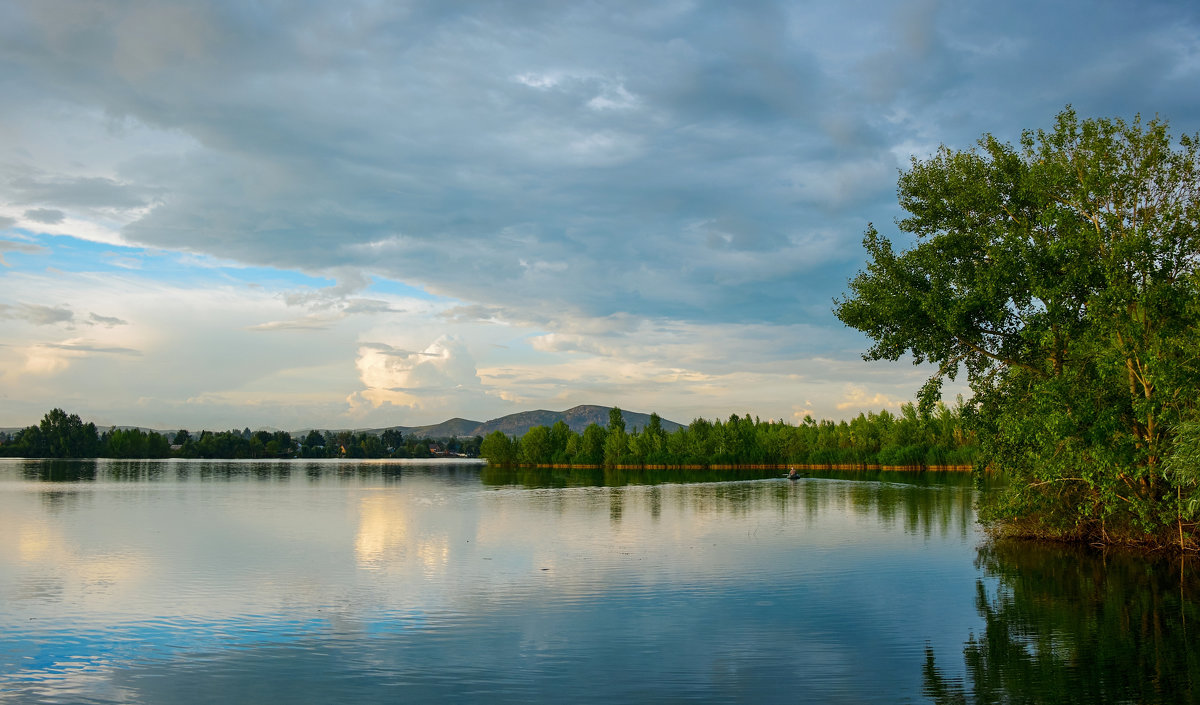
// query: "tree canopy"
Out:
[910,439]
[63,435]
[1061,275]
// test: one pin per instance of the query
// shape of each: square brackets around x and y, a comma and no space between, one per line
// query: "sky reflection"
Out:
[377,582]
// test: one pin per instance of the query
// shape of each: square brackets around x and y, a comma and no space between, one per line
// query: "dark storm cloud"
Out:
[699,161]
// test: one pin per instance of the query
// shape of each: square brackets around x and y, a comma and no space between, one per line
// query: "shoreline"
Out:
[855,467]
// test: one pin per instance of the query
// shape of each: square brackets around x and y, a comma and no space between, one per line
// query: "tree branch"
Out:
[1060,479]
[997,358]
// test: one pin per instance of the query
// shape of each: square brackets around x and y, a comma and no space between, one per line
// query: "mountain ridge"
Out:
[577,418]
[517,424]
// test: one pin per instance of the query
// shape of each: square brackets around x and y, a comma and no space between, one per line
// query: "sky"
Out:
[363,213]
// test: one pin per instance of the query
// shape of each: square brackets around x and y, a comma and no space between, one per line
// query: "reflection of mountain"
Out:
[1066,625]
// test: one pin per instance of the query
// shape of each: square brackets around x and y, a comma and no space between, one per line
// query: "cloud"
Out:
[328,306]
[53,315]
[122,261]
[368,306]
[388,350]
[349,281]
[535,80]
[80,347]
[26,248]
[49,359]
[574,184]
[311,322]
[367,200]
[37,314]
[566,342]
[68,191]
[40,315]
[47,216]
[857,397]
[418,156]
[106,321]
[473,312]
[416,379]
[614,98]
[338,301]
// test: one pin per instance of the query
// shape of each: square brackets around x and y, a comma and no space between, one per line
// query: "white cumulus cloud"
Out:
[420,379]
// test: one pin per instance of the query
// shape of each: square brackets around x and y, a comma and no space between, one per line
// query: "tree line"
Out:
[909,438]
[63,435]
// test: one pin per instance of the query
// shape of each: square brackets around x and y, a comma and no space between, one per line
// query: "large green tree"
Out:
[1061,274]
[64,435]
[499,449]
[536,446]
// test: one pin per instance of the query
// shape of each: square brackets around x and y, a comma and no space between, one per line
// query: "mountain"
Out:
[445,429]
[576,418]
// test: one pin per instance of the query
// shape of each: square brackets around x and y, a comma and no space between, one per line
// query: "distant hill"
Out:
[445,429]
[576,418]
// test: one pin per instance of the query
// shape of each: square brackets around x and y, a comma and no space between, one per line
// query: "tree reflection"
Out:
[917,503]
[1063,624]
[610,477]
[59,470]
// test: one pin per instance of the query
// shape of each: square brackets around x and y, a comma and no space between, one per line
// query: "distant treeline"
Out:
[906,439]
[62,435]
[909,438]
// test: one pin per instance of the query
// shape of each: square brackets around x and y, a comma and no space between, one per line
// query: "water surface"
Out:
[314,582]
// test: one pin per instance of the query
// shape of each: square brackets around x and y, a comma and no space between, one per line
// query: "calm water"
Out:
[239,582]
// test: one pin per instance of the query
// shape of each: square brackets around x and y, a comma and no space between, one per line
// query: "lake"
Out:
[408,581]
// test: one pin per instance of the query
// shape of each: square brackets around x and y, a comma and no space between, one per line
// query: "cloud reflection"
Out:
[394,529]
[382,537]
